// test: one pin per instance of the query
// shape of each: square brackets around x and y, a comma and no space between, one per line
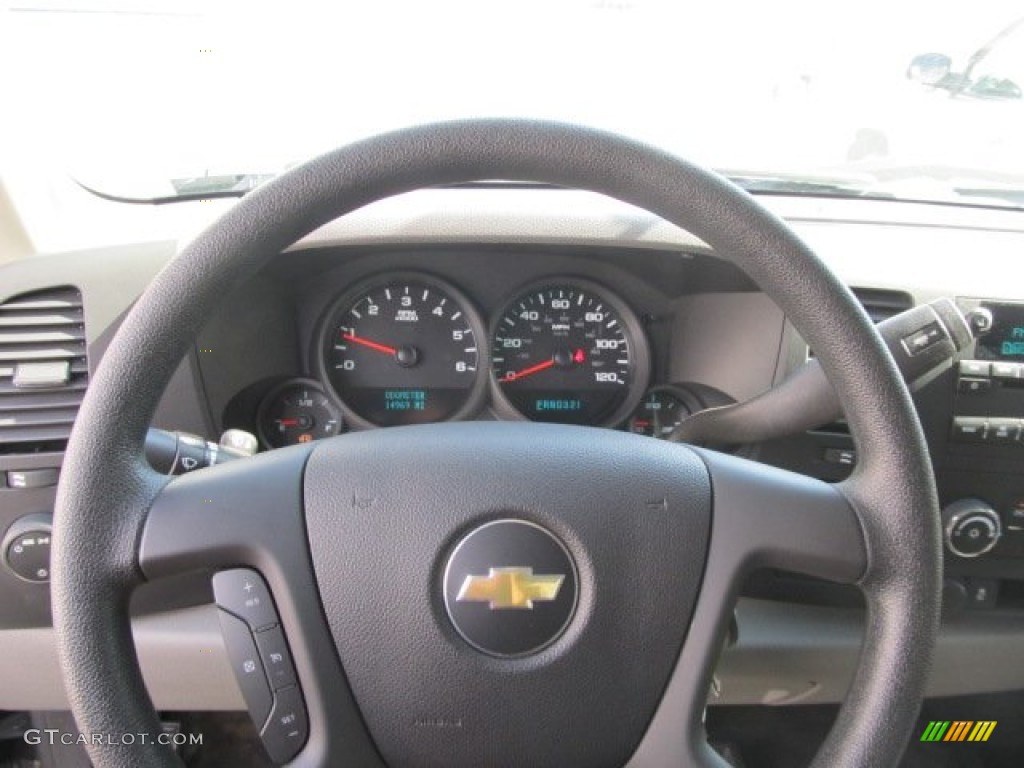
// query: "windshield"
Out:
[911,100]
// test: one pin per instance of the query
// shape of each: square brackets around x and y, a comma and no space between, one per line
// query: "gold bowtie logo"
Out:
[505,588]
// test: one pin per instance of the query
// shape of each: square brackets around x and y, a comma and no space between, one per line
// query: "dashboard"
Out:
[562,306]
[369,338]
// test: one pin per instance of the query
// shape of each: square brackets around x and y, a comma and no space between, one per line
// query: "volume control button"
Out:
[971,527]
[243,592]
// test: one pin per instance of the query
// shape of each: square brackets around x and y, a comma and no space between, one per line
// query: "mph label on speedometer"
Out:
[570,353]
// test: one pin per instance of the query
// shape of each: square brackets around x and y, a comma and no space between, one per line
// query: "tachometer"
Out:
[405,349]
[570,352]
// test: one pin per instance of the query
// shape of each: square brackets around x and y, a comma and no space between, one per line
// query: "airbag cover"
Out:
[386,509]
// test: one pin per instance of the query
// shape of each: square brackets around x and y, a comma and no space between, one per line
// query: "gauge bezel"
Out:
[679,391]
[475,395]
[276,390]
[640,350]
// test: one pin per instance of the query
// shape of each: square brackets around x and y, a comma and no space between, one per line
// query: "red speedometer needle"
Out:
[513,375]
[371,344]
[288,422]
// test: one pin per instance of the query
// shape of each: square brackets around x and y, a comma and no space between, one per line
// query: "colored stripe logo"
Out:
[958,730]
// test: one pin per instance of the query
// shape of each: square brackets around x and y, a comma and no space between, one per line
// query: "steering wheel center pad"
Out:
[402,499]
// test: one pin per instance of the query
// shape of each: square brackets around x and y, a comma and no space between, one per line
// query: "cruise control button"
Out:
[244,593]
[276,658]
[969,429]
[245,662]
[288,727]
[975,368]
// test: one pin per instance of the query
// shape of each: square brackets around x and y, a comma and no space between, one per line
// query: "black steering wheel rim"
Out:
[106,489]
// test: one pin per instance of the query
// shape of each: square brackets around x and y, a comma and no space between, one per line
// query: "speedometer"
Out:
[569,352]
[404,349]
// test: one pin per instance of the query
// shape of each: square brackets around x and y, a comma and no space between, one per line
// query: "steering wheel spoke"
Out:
[249,514]
[771,518]
[763,517]
[246,512]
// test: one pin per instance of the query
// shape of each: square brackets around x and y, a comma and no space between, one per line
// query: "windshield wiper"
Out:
[770,184]
[192,188]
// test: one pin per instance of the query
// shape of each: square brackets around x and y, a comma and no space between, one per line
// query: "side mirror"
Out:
[929,68]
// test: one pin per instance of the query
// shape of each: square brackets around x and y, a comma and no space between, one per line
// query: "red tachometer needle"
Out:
[288,422]
[529,371]
[371,344]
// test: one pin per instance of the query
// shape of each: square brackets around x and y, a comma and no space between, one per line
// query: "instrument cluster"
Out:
[409,348]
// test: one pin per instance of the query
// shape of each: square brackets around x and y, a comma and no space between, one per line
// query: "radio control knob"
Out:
[971,527]
[980,320]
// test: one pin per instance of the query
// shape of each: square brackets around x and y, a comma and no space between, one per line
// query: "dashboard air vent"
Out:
[43,369]
[881,305]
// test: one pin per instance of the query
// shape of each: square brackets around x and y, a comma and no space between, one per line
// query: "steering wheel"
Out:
[620,557]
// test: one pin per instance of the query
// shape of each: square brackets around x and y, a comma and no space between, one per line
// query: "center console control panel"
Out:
[981,476]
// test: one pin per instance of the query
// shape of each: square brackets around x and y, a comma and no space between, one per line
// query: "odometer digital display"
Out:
[408,350]
[571,353]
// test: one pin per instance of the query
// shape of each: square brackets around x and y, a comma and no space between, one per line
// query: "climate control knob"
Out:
[971,527]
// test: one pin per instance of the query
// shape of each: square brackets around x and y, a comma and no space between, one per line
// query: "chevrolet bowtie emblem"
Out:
[505,588]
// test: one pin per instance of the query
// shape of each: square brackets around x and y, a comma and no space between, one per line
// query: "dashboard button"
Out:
[917,342]
[844,456]
[1006,371]
[1015,517]
[243,592]
[276,658]
[982,593]
[288,727]
[32,478]
[973,386]
[975,368]
[1002,431]
[969,429]
[245,663]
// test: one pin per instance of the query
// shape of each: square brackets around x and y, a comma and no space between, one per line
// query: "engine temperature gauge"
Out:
[297,411]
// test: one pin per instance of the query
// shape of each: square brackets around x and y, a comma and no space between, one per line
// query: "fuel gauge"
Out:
[297,411]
